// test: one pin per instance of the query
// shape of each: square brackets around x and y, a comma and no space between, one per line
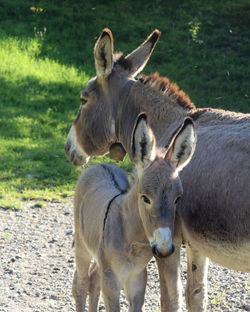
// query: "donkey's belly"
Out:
[232,255]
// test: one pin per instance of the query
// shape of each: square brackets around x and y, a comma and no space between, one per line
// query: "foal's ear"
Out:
[141,55]
[182,145]
[103,53]
[143,142]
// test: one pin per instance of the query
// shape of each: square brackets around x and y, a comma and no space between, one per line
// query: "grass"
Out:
[46,58]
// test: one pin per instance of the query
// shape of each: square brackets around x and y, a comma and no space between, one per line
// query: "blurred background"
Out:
[46,58]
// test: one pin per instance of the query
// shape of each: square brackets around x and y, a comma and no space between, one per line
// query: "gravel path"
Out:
[37,264]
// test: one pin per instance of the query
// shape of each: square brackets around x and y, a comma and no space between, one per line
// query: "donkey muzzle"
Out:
[162,244]
[75,155]
[75,158]
[162,254]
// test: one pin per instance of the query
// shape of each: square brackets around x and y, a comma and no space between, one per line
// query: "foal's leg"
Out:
[196,290]
[135,291]
[170,281]
[81,280]
[110,290]
[94,287]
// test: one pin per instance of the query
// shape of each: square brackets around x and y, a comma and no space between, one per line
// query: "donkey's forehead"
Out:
[160,167]
[158,175]
[91,85]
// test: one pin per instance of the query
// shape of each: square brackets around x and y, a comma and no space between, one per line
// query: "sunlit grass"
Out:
[33,125]
[36,115]
[18,60]
[46,58]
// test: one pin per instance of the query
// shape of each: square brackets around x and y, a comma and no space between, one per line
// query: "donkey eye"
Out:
[83,101]
[146,199]
[84,97]
[177,199]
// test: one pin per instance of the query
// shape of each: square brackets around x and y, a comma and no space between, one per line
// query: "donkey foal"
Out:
[122,227]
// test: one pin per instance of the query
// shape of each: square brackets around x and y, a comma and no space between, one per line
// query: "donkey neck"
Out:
[123,98]
[164,112]
[166,106]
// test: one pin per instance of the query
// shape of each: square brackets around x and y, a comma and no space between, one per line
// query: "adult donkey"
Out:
[121,227]
[213,217]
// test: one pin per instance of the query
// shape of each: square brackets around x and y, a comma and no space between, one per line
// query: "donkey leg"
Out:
[170,282]
[94,287]
[196,290]
[81,280]
[135,291]
[110,290]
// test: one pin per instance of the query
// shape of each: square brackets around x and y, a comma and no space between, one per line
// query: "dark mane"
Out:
[120,60]
[168,89]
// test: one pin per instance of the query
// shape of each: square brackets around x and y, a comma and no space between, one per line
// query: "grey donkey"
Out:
[122,226]
[213,216]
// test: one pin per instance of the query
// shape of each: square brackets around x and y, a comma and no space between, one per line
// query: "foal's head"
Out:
[94,130]
[159,185]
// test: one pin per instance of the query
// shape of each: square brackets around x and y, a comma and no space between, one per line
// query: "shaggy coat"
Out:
[121,227]
[214,213]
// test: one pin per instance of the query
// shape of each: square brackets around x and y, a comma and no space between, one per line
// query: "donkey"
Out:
[213,216]
[120,226]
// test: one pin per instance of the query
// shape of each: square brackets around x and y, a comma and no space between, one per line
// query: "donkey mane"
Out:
[168,89]
[159,84]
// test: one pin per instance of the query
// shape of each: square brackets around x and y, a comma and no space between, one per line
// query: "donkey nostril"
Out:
[67,147]
[173,249]
[72,156]
[154,250]
[160,254]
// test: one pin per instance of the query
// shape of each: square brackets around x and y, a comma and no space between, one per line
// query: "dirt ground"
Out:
[37,264]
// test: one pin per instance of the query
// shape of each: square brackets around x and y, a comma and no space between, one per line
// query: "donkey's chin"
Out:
[77,159]
[162,253]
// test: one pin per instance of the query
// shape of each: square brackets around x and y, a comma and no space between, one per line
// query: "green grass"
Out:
[46,58]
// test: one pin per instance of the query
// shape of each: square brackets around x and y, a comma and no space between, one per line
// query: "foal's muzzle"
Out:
[162,254]
[162,242]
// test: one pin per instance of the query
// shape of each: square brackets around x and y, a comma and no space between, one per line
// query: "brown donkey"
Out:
[213,216]
[121,227]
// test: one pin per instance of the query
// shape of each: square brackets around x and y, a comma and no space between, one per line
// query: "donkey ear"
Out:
[141,55]
[182,145]
[143,142]
[103,53]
